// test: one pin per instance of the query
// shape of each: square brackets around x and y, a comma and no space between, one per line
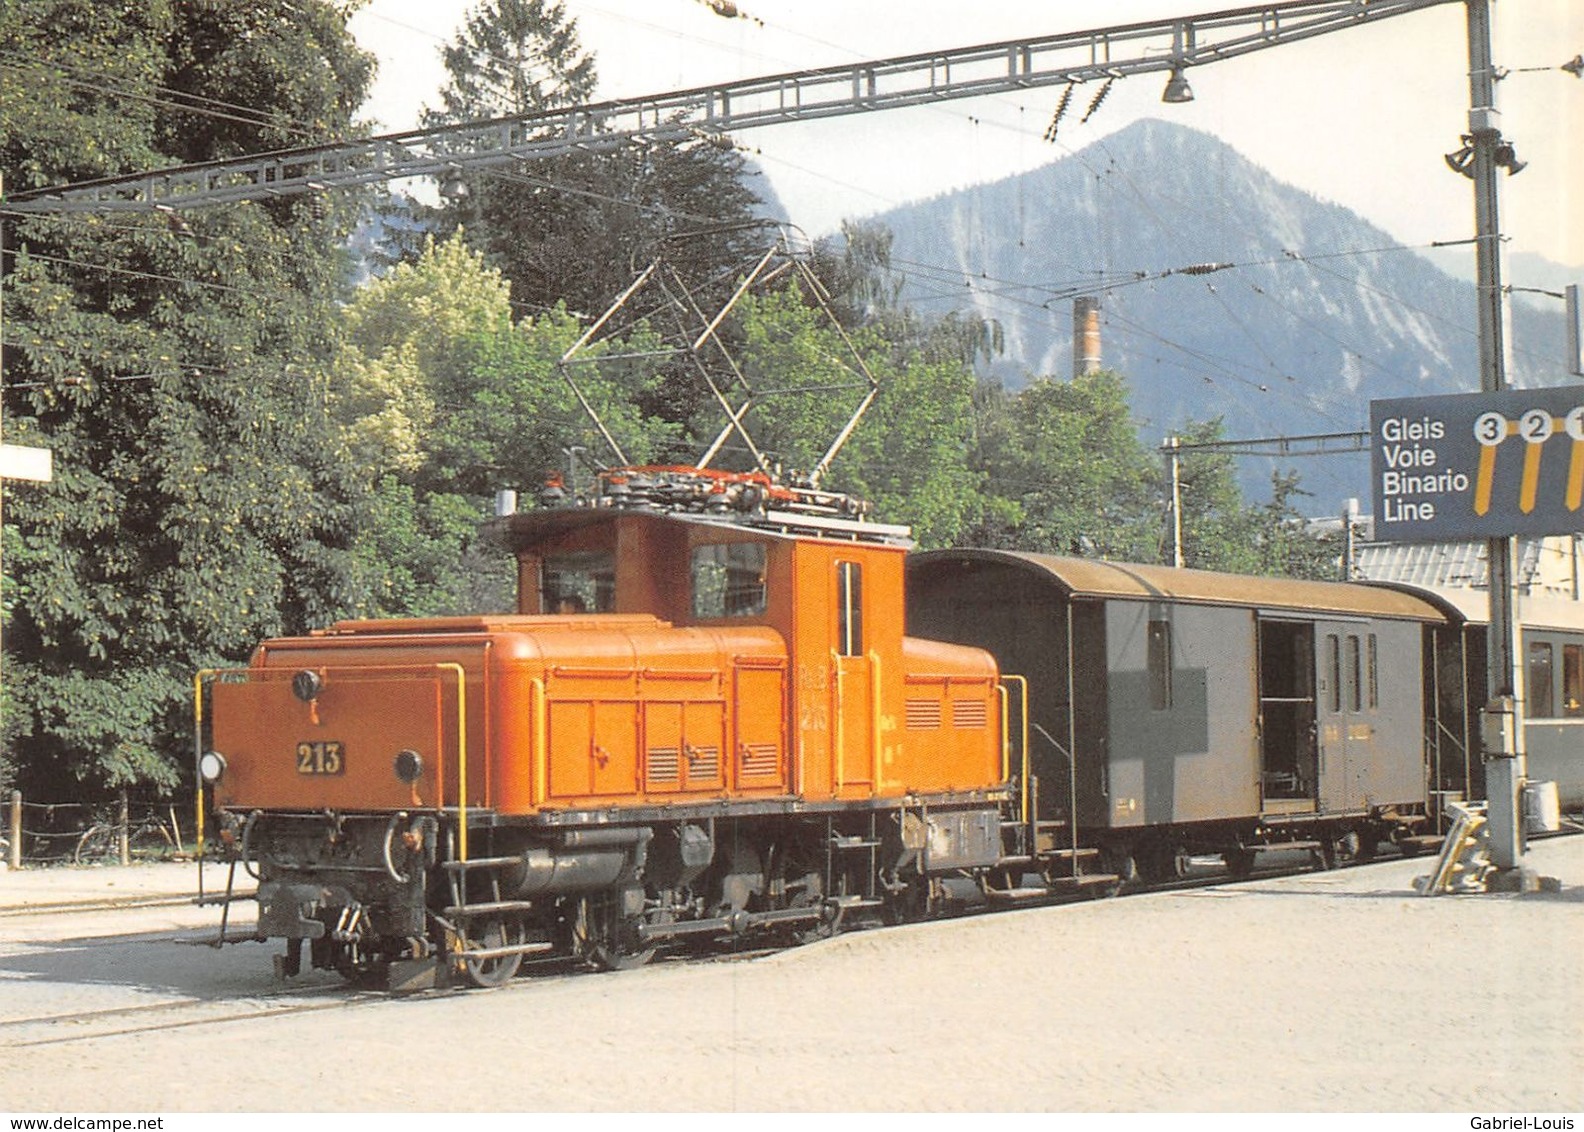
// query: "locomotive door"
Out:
[1343,726]
[853,674]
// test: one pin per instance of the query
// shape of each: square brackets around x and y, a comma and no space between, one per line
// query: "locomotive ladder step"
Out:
[854,842]
[1081,854]
[537,947]
[491,908]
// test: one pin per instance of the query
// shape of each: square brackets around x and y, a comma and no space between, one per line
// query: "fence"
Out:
[84,833]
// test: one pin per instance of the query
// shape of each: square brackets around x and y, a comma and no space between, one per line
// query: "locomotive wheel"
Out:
[614,957]
[608,940]
[499,970]
[620,949]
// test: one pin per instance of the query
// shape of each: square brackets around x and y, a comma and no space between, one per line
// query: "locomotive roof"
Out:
[525,528]
[1087,577]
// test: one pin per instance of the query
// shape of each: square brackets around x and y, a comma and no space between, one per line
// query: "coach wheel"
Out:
[492,971]
[1349,848]
[1122,864]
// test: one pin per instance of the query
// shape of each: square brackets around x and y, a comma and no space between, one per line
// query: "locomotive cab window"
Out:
[584,582]
[728,580]
[849,609]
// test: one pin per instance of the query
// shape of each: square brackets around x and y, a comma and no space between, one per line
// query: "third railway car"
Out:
[1185,712]
[1551,648]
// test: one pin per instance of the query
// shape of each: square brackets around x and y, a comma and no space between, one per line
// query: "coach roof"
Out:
[1087,577]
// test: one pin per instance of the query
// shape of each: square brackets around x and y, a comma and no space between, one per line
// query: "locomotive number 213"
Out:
[320,758]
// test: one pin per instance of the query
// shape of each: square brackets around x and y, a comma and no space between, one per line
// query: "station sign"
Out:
[1478,465]
[21,462]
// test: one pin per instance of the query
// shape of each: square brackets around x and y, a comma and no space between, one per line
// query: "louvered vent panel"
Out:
[664,764]
[968,713]
[923,715]
[760,760]
[704,762]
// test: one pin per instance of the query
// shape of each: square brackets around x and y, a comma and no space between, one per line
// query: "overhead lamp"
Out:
[1507,158]
[1177,88]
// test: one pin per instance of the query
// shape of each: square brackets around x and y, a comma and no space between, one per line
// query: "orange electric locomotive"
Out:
[703,721]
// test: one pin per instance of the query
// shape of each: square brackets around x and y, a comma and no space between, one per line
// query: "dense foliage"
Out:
[202,498]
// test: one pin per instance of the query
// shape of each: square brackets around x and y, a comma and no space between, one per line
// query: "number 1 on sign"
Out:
[1573,424]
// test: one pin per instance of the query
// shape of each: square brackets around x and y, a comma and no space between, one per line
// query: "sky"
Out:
[1360,117]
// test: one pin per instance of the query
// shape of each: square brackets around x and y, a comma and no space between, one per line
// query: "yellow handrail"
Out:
[874,717]
[541,732]
[839,730]
[1023,791]
[198,682]
[461,677]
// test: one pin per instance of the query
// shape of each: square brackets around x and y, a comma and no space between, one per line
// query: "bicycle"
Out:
[101,841]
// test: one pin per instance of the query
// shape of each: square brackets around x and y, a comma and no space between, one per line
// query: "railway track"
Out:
[57,1028]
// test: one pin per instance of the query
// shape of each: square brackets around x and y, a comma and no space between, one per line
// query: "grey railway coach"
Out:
[1551,646]
[1184,712]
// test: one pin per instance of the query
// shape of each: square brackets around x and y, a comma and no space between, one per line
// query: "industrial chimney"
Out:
[1086,336]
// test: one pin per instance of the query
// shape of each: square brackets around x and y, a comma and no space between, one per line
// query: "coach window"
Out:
[1333,667]
[1542,703]
[1372,672]
[1354,665]
[729,580]
[1159,661]
[849,608]
[1573,681]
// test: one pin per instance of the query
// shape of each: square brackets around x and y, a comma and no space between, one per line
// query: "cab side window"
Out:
[728,580]
[584,582]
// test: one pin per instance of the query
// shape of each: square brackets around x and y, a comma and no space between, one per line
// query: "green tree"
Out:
[1221,531]
[446,399]
[202,497]
[1070,476]
[908,457]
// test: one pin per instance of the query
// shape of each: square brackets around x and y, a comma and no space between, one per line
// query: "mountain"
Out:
[1307,324]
